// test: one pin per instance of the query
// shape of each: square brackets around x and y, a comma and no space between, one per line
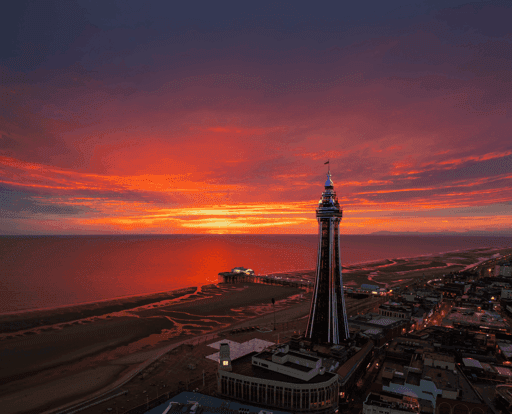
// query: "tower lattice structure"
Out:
[327,317]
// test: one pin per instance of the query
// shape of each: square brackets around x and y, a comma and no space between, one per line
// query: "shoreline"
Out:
[346,269]
[51,360]
[122,341]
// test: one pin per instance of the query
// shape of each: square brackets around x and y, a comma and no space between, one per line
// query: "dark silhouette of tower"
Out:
[327,317]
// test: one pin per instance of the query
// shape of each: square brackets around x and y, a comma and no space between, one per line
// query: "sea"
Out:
[38,272]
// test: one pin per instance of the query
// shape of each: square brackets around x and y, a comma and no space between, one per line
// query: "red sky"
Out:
[132,119]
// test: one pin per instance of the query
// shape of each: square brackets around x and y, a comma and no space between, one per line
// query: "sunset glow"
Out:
[154,120]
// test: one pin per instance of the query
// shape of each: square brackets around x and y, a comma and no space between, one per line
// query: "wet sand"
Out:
[63,359]
[37,362]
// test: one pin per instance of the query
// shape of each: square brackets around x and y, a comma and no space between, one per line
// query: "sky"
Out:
[159,117]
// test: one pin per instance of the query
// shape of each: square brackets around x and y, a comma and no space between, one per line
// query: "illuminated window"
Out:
[225,362]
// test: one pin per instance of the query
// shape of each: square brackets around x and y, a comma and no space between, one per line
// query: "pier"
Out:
[231,277]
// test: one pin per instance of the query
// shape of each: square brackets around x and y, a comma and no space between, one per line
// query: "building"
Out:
[468,318]
[437,360]
[483,371]
[328,318]
[395,310]
[505,269]
[197,403]
[380,328]
[504,397]
[437,387]
[282,378]
[242,270]
[390,403]
[506,293]
[309,373]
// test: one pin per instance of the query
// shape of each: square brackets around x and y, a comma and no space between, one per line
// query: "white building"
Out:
[281,378]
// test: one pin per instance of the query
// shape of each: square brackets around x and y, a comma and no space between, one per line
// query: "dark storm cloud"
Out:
[16,203]
[494,172]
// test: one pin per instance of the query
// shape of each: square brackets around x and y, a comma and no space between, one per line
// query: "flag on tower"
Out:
[326,162]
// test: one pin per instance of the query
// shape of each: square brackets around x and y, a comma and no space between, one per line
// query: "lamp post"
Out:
[274,306]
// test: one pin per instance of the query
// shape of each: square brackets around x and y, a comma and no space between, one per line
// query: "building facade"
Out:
[390,403]
[395,310]
[328,318]
[281,378]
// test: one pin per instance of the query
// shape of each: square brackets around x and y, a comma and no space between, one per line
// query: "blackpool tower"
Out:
[327,317]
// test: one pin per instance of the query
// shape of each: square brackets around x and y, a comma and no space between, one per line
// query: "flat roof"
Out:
[504,346]
[439,357]
[311,358]
[297,366]
[447,379]
[237,349]
[211,405]
[384,320]
[471,317]
[472,363]
[244,366]
[503,371]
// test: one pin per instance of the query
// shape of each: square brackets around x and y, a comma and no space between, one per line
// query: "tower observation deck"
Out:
[327,317]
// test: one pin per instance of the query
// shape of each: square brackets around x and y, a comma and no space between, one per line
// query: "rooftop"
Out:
[375,320]
[394,401]
[450,380]
[470,317]
[439,357]
[244,366]
[351,365]
[208,404]
[237,349]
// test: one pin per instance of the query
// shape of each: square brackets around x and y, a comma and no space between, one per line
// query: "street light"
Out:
[273,305]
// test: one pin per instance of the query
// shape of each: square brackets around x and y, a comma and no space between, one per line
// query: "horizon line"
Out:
[379,233]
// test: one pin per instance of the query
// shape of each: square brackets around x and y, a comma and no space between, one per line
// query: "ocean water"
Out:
[49,271]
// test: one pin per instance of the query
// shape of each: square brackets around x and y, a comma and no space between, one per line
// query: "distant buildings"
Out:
[504,269]
[473,319]
[413,368]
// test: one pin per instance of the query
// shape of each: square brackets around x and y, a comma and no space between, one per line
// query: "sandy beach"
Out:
[61,355]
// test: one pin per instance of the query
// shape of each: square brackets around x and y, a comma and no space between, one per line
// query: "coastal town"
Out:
[427,345]
[442,345]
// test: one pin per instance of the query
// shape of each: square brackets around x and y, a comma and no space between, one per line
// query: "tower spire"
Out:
[327,317]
